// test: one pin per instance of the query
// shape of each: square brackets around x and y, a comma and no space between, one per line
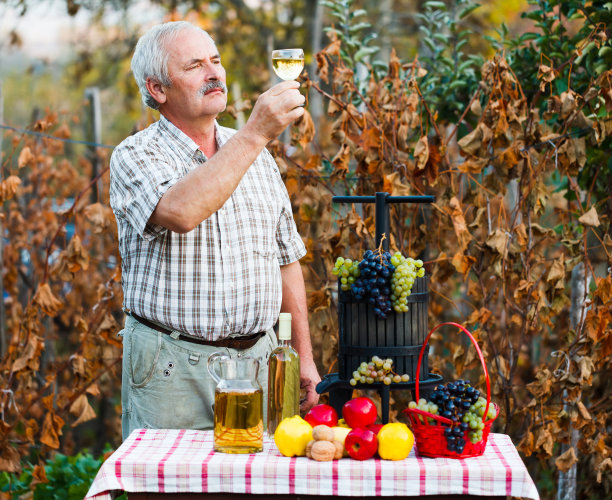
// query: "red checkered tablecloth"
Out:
[183,461]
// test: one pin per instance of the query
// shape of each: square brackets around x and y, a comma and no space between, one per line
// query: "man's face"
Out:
[194,66]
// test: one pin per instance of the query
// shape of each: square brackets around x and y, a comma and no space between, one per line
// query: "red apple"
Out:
[322,415]
[359,412]
[361,443]
[375,428]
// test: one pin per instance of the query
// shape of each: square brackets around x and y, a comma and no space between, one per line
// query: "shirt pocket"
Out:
[260,218]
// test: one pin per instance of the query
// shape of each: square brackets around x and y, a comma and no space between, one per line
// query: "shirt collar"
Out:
[185,145]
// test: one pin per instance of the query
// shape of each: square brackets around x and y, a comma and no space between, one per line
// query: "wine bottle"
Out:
[283,377]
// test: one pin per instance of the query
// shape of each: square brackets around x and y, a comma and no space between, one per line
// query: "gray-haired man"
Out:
[208,243]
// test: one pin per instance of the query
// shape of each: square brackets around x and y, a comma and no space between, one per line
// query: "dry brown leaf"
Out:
[31,430]
[76,255]
[395,186]
[480,316]
[304,130]
[557,270]
[342,158]
[39,475]
[456,213]
[94,390]
[51,430]
[98,215]
[471,142]
[25,157]
[78,365]
[30,357]
[568,103]
[545,440]
[8,187]
[463,263]
[108,324]
[81,408]
[590,218]
[546,74]
[10,461]
[565,461]
[584,413]
[318,300]
[473,165]
[421,153]
[323,67]
[45,299]
[498,241]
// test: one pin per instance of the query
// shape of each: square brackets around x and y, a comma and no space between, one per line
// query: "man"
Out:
[208,243]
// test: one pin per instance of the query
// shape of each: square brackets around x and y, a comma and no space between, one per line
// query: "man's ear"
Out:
[156,89]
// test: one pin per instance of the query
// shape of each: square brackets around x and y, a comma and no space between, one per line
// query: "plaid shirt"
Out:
[220,279]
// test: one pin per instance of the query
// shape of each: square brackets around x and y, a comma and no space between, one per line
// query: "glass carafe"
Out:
[238,404]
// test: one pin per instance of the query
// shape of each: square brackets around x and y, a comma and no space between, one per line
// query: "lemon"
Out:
[342,423]
[340,433]
[395,440]
[292,436]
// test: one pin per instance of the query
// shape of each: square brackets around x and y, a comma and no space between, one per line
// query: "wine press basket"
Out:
[362,335]
[429,437]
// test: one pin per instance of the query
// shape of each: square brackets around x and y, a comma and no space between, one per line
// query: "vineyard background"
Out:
[510,130]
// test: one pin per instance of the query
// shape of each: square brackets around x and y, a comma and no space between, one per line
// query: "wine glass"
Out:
[288,63]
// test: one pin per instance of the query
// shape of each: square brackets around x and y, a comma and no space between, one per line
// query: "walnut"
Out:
[323,451]
[309,448]
[322,433]
[339,450]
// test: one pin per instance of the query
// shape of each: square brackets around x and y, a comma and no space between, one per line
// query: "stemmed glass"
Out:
[288,63]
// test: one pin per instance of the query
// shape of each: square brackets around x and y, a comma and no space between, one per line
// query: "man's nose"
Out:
[213,73]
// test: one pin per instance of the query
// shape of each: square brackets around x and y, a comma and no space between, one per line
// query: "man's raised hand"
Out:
[275,109]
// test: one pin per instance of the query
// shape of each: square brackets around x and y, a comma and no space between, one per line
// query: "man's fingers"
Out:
[295,114]
[283,87]
[311,398]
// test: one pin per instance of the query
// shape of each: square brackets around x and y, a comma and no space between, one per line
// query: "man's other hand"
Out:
[276,109]
[309,378]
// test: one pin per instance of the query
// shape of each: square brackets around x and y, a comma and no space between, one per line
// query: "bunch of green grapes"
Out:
[377,370]
[473,417]
[427,406]
[348,271]
[407,270]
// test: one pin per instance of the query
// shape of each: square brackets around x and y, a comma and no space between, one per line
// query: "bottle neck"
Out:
[284,343]
[284,332]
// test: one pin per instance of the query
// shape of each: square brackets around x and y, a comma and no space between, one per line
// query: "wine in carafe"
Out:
[239,421]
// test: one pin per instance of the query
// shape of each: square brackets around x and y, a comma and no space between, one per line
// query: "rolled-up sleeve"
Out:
[139,178]
[289,244]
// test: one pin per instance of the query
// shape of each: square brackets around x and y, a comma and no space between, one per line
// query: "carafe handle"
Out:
[212,359]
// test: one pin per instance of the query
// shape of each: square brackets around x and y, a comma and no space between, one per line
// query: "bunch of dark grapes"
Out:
[463,405]
[375,271]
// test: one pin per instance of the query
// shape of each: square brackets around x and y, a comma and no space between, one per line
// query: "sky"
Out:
[47,31]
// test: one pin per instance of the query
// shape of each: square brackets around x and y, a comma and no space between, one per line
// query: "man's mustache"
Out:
[211,86]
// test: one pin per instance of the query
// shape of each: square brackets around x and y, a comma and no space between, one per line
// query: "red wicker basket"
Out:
[430,440]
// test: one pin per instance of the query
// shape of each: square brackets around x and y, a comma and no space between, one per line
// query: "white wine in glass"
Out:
[288,63]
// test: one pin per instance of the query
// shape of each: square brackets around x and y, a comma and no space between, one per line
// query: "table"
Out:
[179,461]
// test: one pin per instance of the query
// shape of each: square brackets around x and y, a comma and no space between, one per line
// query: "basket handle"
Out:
[482,361]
